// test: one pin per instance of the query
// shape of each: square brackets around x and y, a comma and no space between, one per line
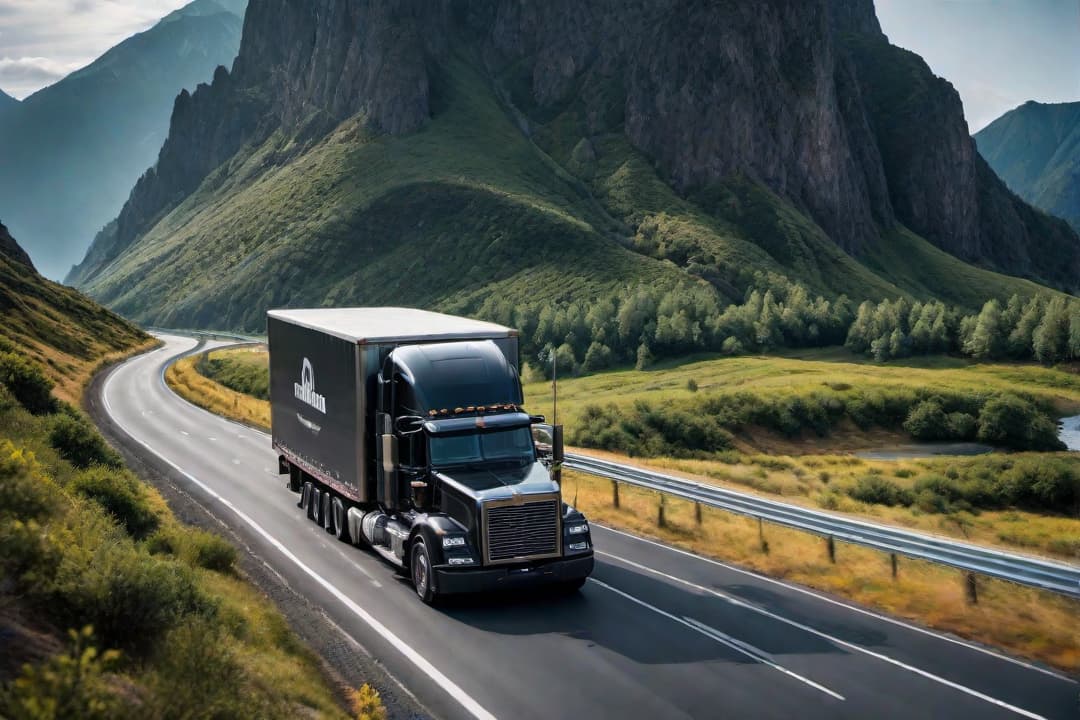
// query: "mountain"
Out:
[441,153]
[7,103]
[70,153]
[56,326]
[1036,151]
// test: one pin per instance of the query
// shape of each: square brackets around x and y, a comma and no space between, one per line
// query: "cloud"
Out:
[43,40]
[21,76]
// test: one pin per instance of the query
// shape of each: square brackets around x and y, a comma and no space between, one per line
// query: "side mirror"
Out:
[557,453]
[537,419]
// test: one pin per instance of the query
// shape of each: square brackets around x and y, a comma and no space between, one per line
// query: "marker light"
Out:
[453,541]
[579,546]
[578,529]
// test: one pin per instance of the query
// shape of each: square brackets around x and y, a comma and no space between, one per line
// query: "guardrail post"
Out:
[830,545]
[761,536]
[697,512]
[615,493]
[893,562]
[660,519]
[972,588]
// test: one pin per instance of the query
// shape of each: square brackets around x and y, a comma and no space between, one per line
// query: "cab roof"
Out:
[376,325]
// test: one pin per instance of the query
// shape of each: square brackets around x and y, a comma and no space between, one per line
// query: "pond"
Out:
[1069,432]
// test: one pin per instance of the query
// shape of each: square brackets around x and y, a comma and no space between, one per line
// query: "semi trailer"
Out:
[403,431]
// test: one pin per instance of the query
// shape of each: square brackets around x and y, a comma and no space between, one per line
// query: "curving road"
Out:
[656,633]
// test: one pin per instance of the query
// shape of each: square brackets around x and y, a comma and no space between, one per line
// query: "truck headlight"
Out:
[579,529]
[453,541]
[579,546]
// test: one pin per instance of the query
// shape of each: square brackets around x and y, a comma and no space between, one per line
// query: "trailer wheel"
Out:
[326,513]
[305,496]
[340,515]
[422,577]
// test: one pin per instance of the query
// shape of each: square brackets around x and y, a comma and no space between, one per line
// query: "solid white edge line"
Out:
[719,637]
[847,606]
[447,685]
[814,631]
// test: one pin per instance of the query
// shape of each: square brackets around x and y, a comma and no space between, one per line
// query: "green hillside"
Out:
[469,208]
[110,607]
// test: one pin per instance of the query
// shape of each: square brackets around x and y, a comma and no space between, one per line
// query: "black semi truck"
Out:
[403,430]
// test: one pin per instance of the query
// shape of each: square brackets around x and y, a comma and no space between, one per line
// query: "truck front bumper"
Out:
[480,579]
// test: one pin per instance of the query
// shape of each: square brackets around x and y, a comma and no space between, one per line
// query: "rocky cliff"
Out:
[805,103]
[11,249]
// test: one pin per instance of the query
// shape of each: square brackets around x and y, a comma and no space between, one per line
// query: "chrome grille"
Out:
[525,531]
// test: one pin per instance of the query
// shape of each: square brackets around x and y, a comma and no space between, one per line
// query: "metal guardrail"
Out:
[1034,572]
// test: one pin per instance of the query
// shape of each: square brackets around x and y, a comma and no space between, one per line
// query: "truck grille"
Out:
[522,532]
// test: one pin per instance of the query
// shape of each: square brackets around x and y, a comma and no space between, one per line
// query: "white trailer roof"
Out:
[391,324]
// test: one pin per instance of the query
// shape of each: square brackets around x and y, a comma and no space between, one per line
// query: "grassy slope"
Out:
[64,331]
[1023,620]
[255,652]
[462,206]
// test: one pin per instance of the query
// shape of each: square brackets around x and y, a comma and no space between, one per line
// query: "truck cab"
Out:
[468,469]
[406,434]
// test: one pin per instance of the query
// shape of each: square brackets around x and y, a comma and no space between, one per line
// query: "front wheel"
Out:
[572,586]
[422,576]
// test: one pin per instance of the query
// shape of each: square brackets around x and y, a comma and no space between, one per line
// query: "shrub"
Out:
[195,668]
[367,704]
[211,551]
[26,381]
[80,444]
[961,425]
[129,596]
[692,385]
[26,495]
[878,490]
[927,421]
[71,684]
[121,495]
[1042,482]
[1009,421]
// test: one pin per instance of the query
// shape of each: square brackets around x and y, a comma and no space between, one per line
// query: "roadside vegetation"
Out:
[119,609]
[1029,501]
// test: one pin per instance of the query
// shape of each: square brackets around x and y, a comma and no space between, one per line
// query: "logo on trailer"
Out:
[305,389]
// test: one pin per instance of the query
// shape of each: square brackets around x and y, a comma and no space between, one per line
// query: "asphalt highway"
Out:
[656,632]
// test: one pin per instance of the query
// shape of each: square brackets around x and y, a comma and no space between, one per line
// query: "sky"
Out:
[997,53]
[41,41]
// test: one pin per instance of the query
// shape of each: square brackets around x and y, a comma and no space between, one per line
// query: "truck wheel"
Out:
[422,575]
[340,514]
[326,513]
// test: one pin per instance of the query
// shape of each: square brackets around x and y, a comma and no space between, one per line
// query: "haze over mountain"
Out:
[70,153]
[1036,151]
[441,153]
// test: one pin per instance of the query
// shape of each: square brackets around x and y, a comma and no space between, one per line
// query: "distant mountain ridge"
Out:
[7,102]
[70,152]
[1035,149]
[439,152]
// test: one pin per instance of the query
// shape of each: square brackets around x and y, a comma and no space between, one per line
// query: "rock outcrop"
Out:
[11,249]
[805,98]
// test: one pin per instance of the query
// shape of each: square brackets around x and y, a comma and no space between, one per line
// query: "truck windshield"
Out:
[514,445]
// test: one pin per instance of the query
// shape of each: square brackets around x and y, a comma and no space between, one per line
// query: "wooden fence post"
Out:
[615,493]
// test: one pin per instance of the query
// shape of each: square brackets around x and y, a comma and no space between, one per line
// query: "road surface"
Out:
[656,633]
